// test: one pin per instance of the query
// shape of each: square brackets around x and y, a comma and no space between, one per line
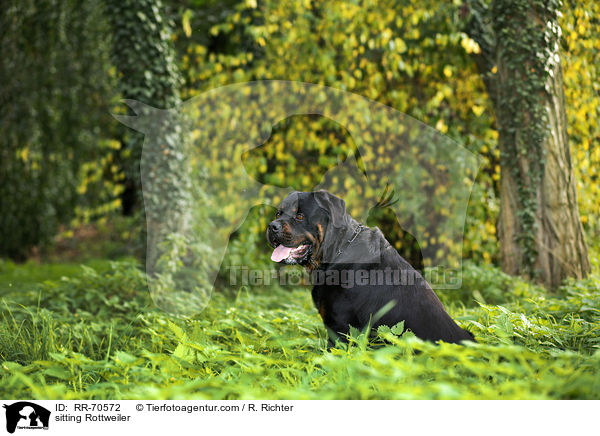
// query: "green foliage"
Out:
[142,52]
[30,274]
[481,284]
[54,103]
[87,301]
[580,52]
[95,335]
[411,56]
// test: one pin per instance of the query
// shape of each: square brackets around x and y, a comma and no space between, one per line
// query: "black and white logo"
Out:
[26,415]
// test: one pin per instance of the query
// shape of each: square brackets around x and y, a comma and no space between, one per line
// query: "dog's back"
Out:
[390,291]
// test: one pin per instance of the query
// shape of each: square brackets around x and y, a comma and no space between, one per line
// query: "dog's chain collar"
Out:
[357,231]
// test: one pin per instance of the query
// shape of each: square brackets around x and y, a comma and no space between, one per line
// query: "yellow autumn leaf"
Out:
[185,22]
[478,110]
[441,126]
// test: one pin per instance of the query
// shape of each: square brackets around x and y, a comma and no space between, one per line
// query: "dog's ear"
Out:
[334,206]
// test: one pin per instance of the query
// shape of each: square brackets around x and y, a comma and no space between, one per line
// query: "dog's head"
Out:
[302,224]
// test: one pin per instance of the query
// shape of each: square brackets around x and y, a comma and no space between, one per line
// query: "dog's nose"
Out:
[275,227]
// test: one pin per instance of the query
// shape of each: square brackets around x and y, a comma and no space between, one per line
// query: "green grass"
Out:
[13,276]
[94,334]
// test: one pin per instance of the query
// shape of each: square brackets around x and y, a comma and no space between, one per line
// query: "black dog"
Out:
[358,277]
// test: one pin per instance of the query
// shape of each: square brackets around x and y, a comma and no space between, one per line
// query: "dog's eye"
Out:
[278,214]
[299,216]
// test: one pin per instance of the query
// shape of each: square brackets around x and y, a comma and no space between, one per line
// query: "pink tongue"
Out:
[280,253]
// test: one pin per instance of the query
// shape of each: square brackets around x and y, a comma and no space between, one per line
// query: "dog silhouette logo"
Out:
[26,415]
[231,152]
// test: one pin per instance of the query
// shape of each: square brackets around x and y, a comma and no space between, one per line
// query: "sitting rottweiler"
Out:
[358,277]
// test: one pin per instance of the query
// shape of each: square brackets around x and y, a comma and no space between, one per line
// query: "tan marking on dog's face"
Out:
[316,241]
[320,236]
[310,237]
[322,311]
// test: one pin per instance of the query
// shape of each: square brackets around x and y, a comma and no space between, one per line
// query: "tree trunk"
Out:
[560,242]
[540,231]
[144,57]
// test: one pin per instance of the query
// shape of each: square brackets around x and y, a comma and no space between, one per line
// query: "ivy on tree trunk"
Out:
[540,231]
[144,56]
